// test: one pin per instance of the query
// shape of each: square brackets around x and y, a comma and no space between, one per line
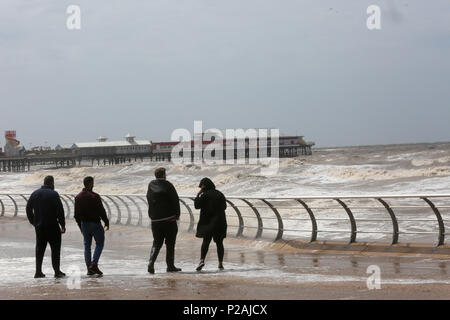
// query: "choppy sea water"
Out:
[390,169]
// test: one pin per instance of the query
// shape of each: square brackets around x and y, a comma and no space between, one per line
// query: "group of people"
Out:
[46,213]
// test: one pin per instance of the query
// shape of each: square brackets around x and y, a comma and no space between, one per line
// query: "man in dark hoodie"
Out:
[46,213]
[164,211]
[88,212]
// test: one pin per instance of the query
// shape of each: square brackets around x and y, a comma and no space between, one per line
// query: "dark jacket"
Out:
[163,201]
[212,205]
[89,208]
[44,208]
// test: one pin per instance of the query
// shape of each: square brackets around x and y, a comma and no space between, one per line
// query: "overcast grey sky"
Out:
[148,67]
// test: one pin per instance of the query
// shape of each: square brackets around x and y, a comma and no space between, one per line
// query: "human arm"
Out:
[29,209]
[60,213]
[102,212]
[77,213]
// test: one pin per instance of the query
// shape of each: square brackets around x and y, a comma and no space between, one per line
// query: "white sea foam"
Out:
[357,170]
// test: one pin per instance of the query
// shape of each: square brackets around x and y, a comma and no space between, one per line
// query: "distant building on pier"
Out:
[288,146]
[105,147]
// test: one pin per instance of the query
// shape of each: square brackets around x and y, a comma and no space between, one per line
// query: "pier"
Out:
[69,160]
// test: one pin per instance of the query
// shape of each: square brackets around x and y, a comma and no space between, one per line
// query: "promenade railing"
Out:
[418,218]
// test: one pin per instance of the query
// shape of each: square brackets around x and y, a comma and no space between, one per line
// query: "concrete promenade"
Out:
[253,270]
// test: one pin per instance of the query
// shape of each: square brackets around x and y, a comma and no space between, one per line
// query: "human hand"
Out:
[63,230]
[106,228]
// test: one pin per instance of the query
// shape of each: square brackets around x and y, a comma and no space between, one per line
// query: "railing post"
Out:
[72,200]
[241,221]
[191,216]
[280,221]
[313,220]
[258,217]
[67,205]
[3,208]
[108,208]
[441,238]
[128,209]
[395,231]
[119,213]
[138,208]
[352,220]
[145,201]
[16,209]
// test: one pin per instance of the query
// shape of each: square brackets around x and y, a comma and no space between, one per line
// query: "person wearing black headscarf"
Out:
[212,223]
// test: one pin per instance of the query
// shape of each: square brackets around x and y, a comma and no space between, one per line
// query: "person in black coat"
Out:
[46,213]
[212,223]
[164,211]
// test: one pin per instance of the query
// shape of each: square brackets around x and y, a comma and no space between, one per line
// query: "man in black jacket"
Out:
[164,211]
[46,213]
[88,212]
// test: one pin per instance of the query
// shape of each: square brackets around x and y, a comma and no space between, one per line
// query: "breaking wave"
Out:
[352,170]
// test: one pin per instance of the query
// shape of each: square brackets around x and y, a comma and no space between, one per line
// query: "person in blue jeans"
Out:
[89,211]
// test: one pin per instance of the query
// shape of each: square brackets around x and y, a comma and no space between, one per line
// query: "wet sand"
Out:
[253,270]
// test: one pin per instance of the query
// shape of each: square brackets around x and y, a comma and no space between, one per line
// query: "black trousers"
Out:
[164,231]
[205,247]
[51,235]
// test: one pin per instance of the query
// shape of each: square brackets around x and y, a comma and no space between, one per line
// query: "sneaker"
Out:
[97,270]
[173,269]
[151,268]
[200,266]
[39,275]
[60,274]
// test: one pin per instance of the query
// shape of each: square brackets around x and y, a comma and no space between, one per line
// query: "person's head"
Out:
[49,181]
[160,173]
[206,184]
[88,183]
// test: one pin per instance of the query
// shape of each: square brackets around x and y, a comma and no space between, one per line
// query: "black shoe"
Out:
[90,271]
[173,269]
[151,268]
[60,274]
[39,275]
[97,270]
[200,266]
[221,266]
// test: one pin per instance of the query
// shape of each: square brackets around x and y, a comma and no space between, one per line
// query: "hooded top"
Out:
[163,201]
[209,185]
[212,205]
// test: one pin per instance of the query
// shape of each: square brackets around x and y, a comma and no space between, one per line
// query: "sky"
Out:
[148,67]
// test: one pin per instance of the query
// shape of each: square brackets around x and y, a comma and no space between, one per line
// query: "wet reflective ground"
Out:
[253,270]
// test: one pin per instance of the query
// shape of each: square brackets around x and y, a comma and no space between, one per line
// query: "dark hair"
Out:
[87,181]
[209,185]
[160,172]
[49,181]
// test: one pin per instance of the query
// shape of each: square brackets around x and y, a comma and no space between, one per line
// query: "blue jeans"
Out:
[93,229]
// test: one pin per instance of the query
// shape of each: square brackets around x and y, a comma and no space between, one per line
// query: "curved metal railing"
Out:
[371,218]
